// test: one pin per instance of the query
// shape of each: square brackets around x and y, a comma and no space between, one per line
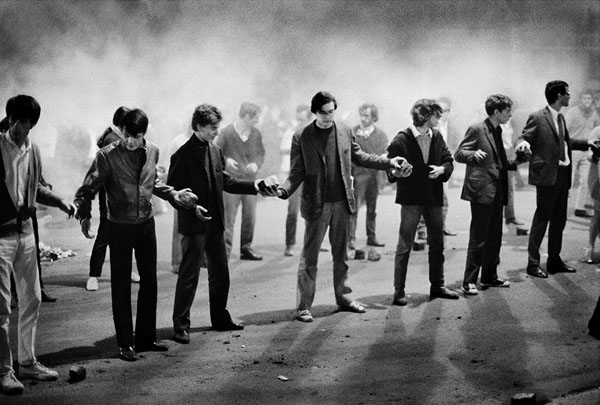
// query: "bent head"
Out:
[135,125]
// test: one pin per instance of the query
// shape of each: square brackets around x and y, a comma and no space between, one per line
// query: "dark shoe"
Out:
[522,231]
[536,271]
[359,254]
[558,266]
[583,214]
[182,337]
[443,293]
[288,252]
[353,307]
[595,333]
[127,354]
[419,244]
[399,299]
[351,245]
[449,232]
[375,242]
[46,297]
[496,283]
[152,347]
[514,221]
[228,326]
[249,254]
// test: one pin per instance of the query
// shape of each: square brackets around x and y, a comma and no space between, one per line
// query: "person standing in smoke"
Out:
[244,153]
[20,189]
[321,160]
[199,166]
[372,140]
[110,135]
[126,169]
[421,194]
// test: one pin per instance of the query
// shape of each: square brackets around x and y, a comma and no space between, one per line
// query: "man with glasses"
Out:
[321,157]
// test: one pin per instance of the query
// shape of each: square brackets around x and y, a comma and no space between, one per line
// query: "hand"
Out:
[252,168]
[86,224]
[479,155]
[398,162]
[280,193]
[524,147]
[231,165]
[202,213]
[68,207]
[436,171]
[267,187]
[403,171]
[186,198]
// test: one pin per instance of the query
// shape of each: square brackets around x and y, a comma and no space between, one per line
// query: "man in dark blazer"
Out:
[321,157]
[546,138]
[421,194]
[486,187]
[199,165]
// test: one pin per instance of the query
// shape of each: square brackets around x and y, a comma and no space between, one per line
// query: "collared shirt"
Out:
[424,141]
[244,135]
[555,114]
[16,167]
[365,132]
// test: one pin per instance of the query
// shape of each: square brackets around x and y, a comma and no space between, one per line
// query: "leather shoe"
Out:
[249,254]
[558,266]
[536,271]
[127,354]
[182,337]
[375,242]
[228,326]
[399,299]
[152,347]
[443,293]
[46,297]
[595,333]
[353,307]
[583,214]
[449,232]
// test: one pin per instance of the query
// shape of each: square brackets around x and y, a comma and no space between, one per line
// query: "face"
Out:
[365,118]
[19,130]
[504,116]
[303,117]
[433,121]
[251,122]
[586,101]
[564,98]
[325,115]
[208,132]
[133,142]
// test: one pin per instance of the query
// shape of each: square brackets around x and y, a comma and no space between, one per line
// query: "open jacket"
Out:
[307,164]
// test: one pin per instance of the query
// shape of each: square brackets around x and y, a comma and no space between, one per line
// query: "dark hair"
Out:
[248,108]
[424,109]
[553,89]
[205,114]
[372,108]
[4,125]
[498,102]
[23,107]
[320,99]
[135,121]
[119,114]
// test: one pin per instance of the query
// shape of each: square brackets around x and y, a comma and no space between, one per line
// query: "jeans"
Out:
[99,249]
[291,219]
[366,190]
[230,205]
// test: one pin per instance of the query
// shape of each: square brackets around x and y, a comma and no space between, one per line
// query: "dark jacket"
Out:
[542,135]
[376,144]
[418,189]
[482,179]
[251,151]
[307,164]
[184,172]
[128,193]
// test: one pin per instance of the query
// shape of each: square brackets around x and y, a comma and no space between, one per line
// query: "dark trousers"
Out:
[213,243]
[366,190]
[594,324]
[123,240]
[551,208]
[231,203]
[99,249]
[485,240]
[291,220]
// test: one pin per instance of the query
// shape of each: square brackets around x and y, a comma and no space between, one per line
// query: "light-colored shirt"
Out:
[244,135]
[424,141]
[16,168]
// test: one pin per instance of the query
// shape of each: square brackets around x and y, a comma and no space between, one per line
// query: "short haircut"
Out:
[4,124]
[135,121]
[320,99]
[373,110]
[118,115]
[248,108]
[553,89]
[498,102]
[22,107]
[423,110]
[205,114]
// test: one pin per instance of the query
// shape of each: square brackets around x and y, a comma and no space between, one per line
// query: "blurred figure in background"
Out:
[510,217]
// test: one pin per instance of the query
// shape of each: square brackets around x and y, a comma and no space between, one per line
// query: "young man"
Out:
[486,187]
[244,153]
[371,140]
[127,171]
[199,165]
[321,157]
[110,135]
[421,194]
[546,138]
[20,189]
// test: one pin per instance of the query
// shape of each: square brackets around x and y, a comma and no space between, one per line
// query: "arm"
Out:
[468,151]
[94,180]
[297,169]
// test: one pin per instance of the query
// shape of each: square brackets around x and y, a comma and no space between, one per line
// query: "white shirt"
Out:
[555,113]
[16,168]
[244,135]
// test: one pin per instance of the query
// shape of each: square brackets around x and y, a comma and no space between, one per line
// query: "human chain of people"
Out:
[328,171]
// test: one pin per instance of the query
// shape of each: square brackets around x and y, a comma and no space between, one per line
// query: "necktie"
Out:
[561,137]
